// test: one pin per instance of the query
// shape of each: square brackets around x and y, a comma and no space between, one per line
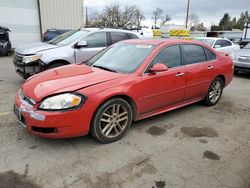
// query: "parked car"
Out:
[52,33]
[5,44]
[220,44]
[242,59]
[71,47]
[128,81]
[145,33]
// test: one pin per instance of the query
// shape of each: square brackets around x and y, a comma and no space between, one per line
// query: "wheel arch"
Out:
[222,77]
[127,98]
[63,61]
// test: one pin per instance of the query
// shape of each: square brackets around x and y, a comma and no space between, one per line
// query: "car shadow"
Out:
[242,75]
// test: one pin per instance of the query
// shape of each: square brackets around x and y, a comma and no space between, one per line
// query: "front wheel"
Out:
[214,92]
[111,120]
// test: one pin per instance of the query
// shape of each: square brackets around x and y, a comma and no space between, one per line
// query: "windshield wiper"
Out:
[104,68]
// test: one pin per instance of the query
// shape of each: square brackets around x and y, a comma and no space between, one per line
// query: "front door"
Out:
[166,88]
[95,43]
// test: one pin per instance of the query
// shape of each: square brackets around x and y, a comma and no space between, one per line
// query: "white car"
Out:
[220,44]
[144,33]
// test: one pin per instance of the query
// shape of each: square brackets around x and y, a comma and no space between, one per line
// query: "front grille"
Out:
[245,59]
[27,99]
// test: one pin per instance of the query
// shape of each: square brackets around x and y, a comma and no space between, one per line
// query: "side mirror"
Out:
[217,46]
[82,43]
[158,67]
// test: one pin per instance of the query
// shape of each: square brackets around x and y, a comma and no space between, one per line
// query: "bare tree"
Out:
[166,18]
[116,16]
[193,20]
[139,18]
[157,14]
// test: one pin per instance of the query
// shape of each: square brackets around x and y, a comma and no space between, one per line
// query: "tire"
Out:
[106,125]
[54,65]
[236,72]
[217,88]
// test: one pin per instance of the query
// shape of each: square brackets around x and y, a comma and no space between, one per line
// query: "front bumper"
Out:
[26,70]
[59,124]
[242,66]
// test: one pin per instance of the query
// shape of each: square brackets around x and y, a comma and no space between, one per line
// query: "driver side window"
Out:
[96,40]
[170,56]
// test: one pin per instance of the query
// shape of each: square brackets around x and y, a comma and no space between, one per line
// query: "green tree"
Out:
[244,16]
[225,23]
[214,28]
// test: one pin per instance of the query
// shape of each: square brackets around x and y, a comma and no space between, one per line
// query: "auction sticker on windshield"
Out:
[143,46]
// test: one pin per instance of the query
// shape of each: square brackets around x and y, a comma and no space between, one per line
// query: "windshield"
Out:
[67,38]
[209,42]
[247,46]
[122,57]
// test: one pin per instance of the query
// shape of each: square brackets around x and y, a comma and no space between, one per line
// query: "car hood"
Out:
[33,48]
[65,79]
[243,52]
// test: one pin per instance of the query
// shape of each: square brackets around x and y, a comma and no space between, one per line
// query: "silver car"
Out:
[242,59]
[220,44]
[71,47]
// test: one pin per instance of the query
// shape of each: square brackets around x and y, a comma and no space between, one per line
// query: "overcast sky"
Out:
[209,11]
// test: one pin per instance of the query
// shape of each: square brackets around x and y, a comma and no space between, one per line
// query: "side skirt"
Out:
[169,108]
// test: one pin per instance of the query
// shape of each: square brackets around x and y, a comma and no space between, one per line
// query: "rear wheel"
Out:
[111,120]
[214,92]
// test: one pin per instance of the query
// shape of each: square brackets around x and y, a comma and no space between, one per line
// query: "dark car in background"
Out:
[5,44]
[52,33]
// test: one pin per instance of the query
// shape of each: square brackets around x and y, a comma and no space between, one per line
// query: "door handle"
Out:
[210,67]
[179,74]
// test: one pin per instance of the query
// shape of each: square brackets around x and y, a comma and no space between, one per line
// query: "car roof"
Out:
[214,38]
[92,29]
[162,41]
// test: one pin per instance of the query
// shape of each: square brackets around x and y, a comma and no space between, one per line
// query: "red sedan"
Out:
[126,82]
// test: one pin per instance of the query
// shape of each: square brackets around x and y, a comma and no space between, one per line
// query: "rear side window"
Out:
[194,53]
[226,43]
[223,43]
[132,36]
[170,56]
[96,40]
[210,55]
[219,43]
[118,36]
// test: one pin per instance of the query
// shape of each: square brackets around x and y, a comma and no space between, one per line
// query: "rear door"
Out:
[166,88]
[199,71]
[96,42]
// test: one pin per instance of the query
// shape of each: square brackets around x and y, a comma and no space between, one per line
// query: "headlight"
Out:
[28,59]
[62,101]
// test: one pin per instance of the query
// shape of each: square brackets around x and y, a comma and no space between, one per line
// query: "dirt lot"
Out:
[194,146]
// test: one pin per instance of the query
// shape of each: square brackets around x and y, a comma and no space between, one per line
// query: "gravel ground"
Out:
[195,146]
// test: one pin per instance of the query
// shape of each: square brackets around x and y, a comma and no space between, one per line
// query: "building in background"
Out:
[28,19]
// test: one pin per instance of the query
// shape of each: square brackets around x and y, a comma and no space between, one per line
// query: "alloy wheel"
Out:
[215,92]
[114,120]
